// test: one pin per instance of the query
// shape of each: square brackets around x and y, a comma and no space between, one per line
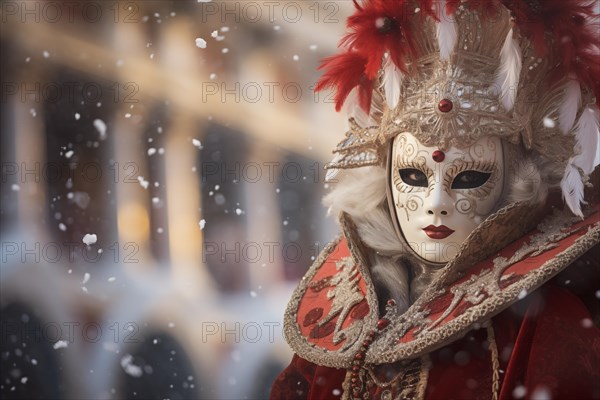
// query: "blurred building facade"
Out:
[198,169]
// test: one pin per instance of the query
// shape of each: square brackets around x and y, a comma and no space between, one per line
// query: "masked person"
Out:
[473,133]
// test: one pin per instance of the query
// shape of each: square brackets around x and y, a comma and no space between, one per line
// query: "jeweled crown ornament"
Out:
[450,72]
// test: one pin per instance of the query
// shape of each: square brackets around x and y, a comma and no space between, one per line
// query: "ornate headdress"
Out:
[450,72]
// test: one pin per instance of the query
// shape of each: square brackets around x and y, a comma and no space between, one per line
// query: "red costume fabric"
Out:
[548,345]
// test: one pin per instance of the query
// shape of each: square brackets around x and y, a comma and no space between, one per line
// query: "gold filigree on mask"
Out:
[480,192]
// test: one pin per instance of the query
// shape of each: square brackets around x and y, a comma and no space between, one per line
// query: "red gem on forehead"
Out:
[438,156]
[445,105]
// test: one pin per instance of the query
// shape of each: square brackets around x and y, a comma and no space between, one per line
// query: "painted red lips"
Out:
[438,232]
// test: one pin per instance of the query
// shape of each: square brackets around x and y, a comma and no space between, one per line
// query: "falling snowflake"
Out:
[549,122]
[130,368]
[200,43]
[197,143]
[216,36]
[144,183]
[587,323]
[60,344]
[100,127]
[90,238]
[541,393]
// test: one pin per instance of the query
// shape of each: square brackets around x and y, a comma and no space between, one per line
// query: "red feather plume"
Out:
[343,72]
[575,31]
[377,27]
[381,26]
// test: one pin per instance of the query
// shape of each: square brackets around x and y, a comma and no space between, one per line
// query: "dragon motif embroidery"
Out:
[478,287]
[345,294]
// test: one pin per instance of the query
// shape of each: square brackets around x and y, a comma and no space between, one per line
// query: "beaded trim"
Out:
[409,382]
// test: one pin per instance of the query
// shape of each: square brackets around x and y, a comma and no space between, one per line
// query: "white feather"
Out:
[572,188]
[597,158]
[392,83]
[587,140]
[507,76]
[361,191]
[446,32]
[353,109]
[331,173]
[570,105]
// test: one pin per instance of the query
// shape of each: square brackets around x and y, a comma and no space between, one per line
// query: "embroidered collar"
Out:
[332,318]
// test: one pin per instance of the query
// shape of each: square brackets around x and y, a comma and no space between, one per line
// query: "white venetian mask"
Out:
[441,197]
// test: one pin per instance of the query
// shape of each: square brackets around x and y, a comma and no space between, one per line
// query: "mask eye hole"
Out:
[470,179]
[413,177]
